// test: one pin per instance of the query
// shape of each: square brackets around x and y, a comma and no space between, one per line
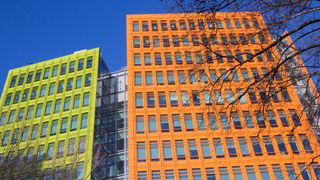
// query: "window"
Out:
[196,98]
[176,122]
[218,96]
[166,42]
[156,175]
[21,79]
[228,23]
[233,39]
[159,77]
[255,74]
[164,123]
[219,24]
[30,112]
[64,123]
[135,26]
[30,76]
[236,120]
[224,39]
[281,145]
[169,174]
[207,97]
[13,81]
[199,58]
[137,59]
[252,96]
[304,171]
[251,173]
[193,149]
[11,116]
[195,40]
[25,95]
[269,56]
[264,172]
[142,175]
[79,172]
[200,122]
[277,171]
[71,146]
[245,75]
[168,58]
[188,57]
[306,143]
[243,146]
[51,89]
[164,26]
[71,67]
[76,101]
[150,99]
[54,125]
[170,77]
[209,57]
[154,152]
[3,118]
[74,123]
[201,24]
[224,120]
[203,76]
[34,93]
[180,150]
[145,26]
[147,59]
[136,42]
[192,77]
[285,94]
[66,105]
[214,39]
[139,100]
[60,148]
[248,119]
[178,57]
[188,122]
[60,86]
[210,24]
[260,119]
[38,75]
[183,174]
[40,153]
[154,26]
[262,38]
[24,134]
[229,96]
[185,40]
[241,96]
[152,124]
[256,146]
[290,171]
[44,129]
[218,147]
[272,119]
[295,118]
[182,25]
[146,42]
[39,110]
[87,80]
[205,40]
[57,106]
[274,95]
[20,114]
[156,41]
[82,144]
[176,42]
[196,174]
[185,98]
[16,97]
[149,78]
[316,169]
[268,144]
[212,121]
[84,120]
[173,99]
[162,99]
[231,148]
[237,172]
[86,99]
[181,77]
[167,154]
[48,108]
[224,173]
[173,25]
[157,58]
[191,25]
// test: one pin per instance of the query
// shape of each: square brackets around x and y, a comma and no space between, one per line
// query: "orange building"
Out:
[179,125]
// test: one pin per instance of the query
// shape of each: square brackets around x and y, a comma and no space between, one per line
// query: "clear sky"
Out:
[35,30]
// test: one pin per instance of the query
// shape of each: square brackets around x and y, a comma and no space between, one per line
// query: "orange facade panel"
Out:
[179,121]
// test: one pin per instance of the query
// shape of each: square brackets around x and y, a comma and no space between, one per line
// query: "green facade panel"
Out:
[47,113]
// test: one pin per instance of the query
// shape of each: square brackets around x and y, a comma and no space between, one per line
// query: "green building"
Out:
[47,113]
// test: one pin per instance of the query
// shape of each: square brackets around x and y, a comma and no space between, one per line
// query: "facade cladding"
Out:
[158,118]
[179,127]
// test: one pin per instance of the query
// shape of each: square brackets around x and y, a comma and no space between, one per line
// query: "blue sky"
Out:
[37,30]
